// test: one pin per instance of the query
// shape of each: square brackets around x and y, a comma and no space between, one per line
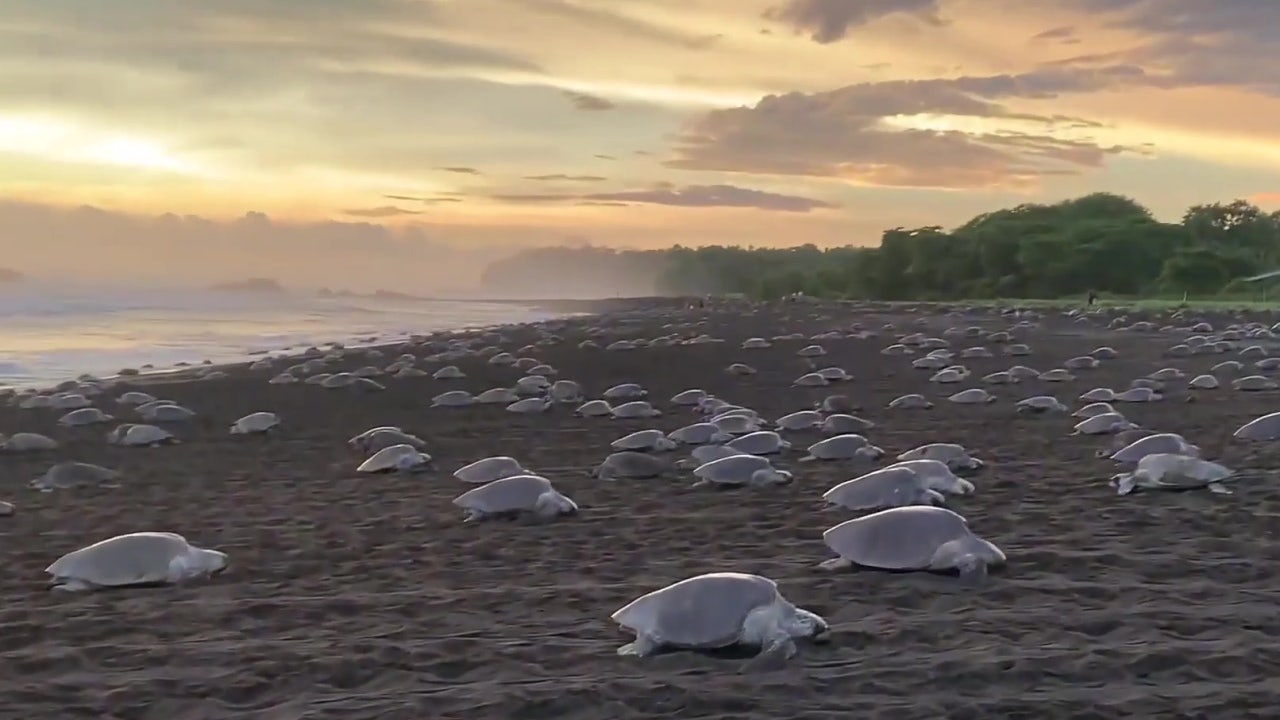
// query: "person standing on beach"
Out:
[1093,298]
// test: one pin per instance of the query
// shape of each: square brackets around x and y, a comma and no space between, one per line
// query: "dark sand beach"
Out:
[359,597]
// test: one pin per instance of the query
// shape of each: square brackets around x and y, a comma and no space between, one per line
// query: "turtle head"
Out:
[210,562]
[809,625]
[772,475]
[1124,483]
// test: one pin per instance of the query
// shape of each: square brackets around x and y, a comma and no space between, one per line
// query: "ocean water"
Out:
[50,334]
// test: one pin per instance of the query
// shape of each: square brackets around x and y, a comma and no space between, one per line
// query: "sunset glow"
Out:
[492,124]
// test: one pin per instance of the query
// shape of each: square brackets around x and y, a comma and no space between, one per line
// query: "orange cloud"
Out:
[846,133]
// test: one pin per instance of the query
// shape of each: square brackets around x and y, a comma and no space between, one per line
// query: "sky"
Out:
[401,143]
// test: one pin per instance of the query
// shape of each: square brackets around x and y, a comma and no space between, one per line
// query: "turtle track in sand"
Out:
[355,597]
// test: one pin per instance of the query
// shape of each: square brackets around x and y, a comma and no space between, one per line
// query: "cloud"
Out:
[827,21]
[596,18]
[583,101]
[699,196]
[559,177]
[1198,43]
[872,133]
[193,250]
[1065,34]
[457,170]
[384,211]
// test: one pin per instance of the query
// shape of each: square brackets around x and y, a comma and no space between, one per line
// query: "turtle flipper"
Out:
[837,563]
[1220,489]
[773,655]
[643,646]
[71,585]
[973,572]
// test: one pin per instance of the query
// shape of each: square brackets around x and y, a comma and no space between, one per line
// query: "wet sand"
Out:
[360,597]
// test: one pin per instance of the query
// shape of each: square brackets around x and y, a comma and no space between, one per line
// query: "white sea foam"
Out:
[50,334]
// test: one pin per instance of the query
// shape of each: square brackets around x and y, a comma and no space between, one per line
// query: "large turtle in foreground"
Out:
[719,610]
[1170,471]
[916,537]
[134,559]
[530,496]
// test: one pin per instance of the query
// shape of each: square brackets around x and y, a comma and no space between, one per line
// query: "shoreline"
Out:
[150,373]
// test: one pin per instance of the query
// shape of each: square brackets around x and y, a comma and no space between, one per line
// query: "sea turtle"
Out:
[1138,395]
[532,385]
[519,495]
[1093,410]
[947,376]
[727,411]
[1171,471]
[135,435]
[840,424]
[27,442]
[1040,404]
[760,442]
[738,470]
[812,379]
[70,474]
[486,470]
[937,475]
[847,446]
[802,420]
[375,439]
[448,372]
[916,537]
[884,488]
[972,396]
[625,391]
[84,416]
[629,464]
[453,399]
[1057,375]
[634,409]
[254,423]
[704,454]
[644,440]
[688,398]
[699,434]
[1266,427]
[594,408]
[1103,424]
[170,412]
[1153,444]
[337,381]
[135,397]
[955,456]
[756,343]
[1254,383]
[396,458]
[718,610]
[135,559]
[530,406]
[497,396]
[1204,382]
[565,391]
[736,424]
[912,401]
[740,369]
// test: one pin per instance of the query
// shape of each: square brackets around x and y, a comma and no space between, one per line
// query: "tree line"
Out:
[1101,242]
